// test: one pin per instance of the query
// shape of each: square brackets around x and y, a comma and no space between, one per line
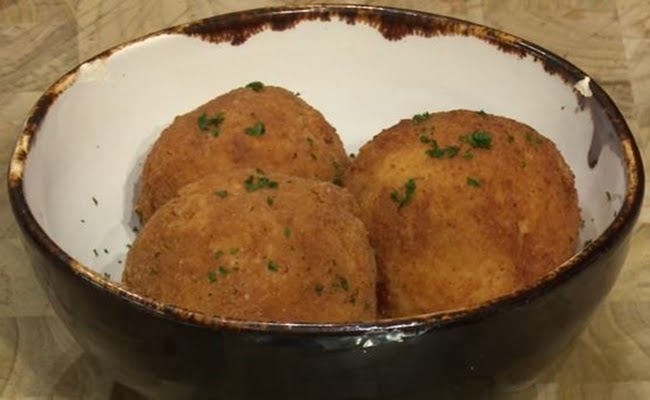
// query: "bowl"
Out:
[74,170]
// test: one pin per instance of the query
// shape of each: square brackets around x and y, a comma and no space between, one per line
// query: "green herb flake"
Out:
[212,276]
[468,155]
[341,282]
[425,139]
[318,288]
[255,86]
[95,253]
[206,123]
[253,183]
[234,250]
[269,200]
[217,254]
[107,275]
[95,200]
[586,243]
[442,152]
[313,156]
[287,232]
[419,118]
[582,223]
[404,199]
[222,193]
[482,113]
[256,130]
[272,266]
[533,139]
[478,139]
[609,196]
[310,141]
[202,122]
[223,271]
[338,173]
[473,182]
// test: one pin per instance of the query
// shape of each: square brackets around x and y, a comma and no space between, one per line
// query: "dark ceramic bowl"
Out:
[72,176]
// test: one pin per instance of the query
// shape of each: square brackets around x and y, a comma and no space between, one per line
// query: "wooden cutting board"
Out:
[42,39]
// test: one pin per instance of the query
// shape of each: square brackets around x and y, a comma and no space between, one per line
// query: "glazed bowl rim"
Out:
[613,234]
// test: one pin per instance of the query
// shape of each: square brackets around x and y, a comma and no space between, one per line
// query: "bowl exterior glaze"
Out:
[501,349]
[165,352]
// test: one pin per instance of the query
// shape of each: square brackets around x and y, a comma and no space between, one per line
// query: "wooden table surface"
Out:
[42,39]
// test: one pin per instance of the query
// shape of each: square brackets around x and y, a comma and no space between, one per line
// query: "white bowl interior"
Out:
[80,176]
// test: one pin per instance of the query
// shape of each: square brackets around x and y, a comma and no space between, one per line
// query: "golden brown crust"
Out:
[297,140]
[455,244]
[296,253]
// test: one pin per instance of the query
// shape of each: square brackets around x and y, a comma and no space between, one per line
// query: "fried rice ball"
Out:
[258,247]
[462,207]
[254,126]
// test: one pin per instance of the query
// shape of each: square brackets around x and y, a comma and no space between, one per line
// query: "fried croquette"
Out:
[462,207]
[254,126]
[258,247]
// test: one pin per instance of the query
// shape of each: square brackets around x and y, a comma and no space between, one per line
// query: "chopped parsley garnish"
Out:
[478,139]
[341,282]
[338,173]
[473,182]
[255,130]
[287,232]
[352,298]
[105,251]
[212,276]
[441,152]
[222,193]
[273,266]
[218,254]
[425,139]
[253,183]
[530,138]
[255,86]
[482,113]
[404,199]
[319,289]
[95,252]
[95,201]
[313,156]
[587,243]
[223,270]
[419,118]
[269,200]
[107,275]
[582,223]
[206,123]
[468,155]
[609,196]
[234,250]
